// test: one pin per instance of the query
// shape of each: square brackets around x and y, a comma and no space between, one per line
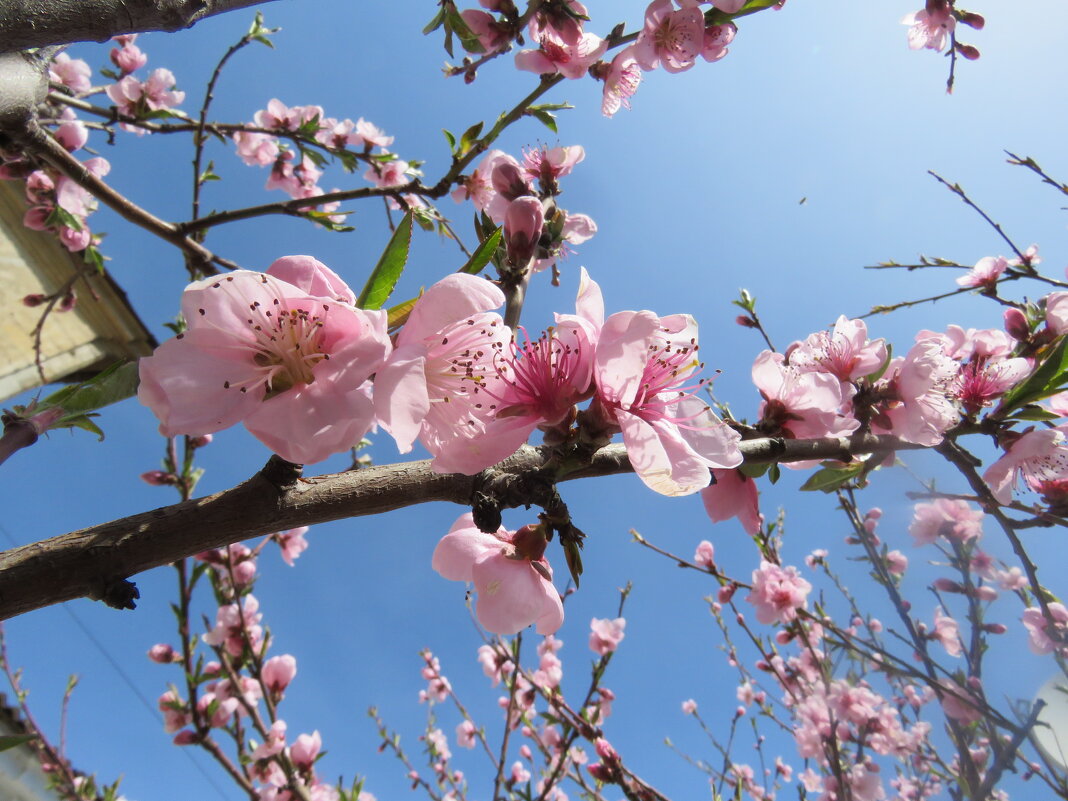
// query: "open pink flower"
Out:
[985,273]
[845,352]
[778,593]
[672,38]
[606,634]
[798,403]
[260,350]
[645,368]
[1040,458]
[622,80]
[440,384]
[930,28]
[952,519]
[1038,628]
[557,56]
[510,574]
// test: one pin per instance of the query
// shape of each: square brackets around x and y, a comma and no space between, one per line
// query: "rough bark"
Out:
[38,23]
[95,562]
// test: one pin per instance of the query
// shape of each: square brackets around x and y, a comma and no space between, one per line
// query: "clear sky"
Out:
[697,192]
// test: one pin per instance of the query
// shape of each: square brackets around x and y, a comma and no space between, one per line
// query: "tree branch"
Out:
[36,23]
[94,562]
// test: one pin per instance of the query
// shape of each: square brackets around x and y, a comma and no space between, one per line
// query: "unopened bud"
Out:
[162,654]
[968,51]
[1016,325]
[186,737]
[995,628]
[70,300]
[158,478]
[947,585]
[726,593]
[985,593]
[973,20]
[200,442]
[745,321]
[34,300]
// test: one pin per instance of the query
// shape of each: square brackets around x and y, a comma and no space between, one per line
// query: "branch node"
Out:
[118,593]
[282,475]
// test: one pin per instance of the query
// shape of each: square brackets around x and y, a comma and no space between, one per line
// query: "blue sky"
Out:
[696,192]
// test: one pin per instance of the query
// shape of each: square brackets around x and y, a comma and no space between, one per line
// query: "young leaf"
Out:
[1048,379]
[387,272]
[482,255]
[116,383]
[450,137]
[831,478]
[546,118]
[469,137]
[467,37]
[398,315]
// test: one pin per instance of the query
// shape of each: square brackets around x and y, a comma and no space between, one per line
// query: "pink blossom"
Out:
[958,702]
[522,230]
[293,370]
[705,555]
[510,573]
[952,519]
[278,672]
[256,149]
[221,710]
[985,273]
[645,368]
[777,593]
[368,135]
[1040,458]
[733,494]
[440,383]
[801,404]
[605,634]
[128,57]
[175,712]
[135,98]
[897,563]
[621,81]
[689,707]
[923,382]
[466,734]
[278,115]
[561,19]
[930,28]
[296,180]
[439,744]
[1057,312]
[275,742]
[555,56]
[984,378]
[519,774]
[74,73]
[717,38]
[236,624]
[292,543]
[305,749]
[947,632]
[1038,628]
[393,172]
[71,133]
[845,352]
[672,38]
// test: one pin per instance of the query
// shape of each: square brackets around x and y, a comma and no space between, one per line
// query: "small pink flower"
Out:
[1038,629]
[705,555]
[985,273]
[128,57]
[1040,458]
[466,734]
[278,672]
[897,563]
[777,593]
[930,28]
[555,56]
[292,543]
[74,73]
[510,573]
[163,654]
[845,352]
[947,632]
[672,38]
[305,749]
[622,80]
[175,712]
[605,635]
[689,707]
[952,519]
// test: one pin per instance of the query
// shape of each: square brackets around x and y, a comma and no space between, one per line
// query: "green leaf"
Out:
[15,740]
[482,255]
[259,33]
[61,216]
[1047,380]
[1034,413]
[831,478]
[324,219]
[387,272]
[774,473]
[435,23]
[450,137]
[470,136]
[94,258]
[467,37]
[208,174]
[116,383]
[546,118]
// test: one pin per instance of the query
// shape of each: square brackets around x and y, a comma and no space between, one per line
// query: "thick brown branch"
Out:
[91,562]
[36,23]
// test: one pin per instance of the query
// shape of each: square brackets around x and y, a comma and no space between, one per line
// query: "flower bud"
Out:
[508,181]
[34,300]
[995,628]
[278,672]
[201,441]
[947,585]
[973,20]
[968,51]
[186,737]
[162,654]
[745,321]
[1016,324]
[69,301]
[522,229]
[159,478]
